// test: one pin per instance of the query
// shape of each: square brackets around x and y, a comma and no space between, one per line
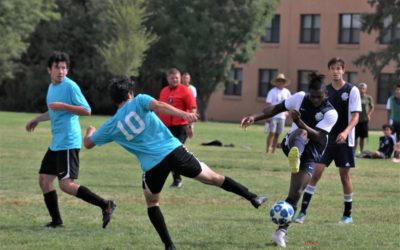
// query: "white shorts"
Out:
[275,125]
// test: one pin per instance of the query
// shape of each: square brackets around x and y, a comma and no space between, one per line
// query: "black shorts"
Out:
[180,161]
[342,154]
[179,132]
[312,153]
[362,130]
[64,164]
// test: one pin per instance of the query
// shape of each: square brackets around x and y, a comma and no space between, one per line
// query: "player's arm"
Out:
[77,110]
[371,108]
[31,125]
[165,108]
[87,142]
[314,134]
[269,111]
[355,109]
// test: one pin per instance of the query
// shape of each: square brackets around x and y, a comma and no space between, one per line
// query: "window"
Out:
[350,77]
[264,81]
[350,25]
[234,84]
[310,28]
[303,79]
[386,83]
[272,31]
[393,31]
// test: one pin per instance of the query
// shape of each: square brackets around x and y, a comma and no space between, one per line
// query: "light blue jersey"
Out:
[137,129]
[65,126]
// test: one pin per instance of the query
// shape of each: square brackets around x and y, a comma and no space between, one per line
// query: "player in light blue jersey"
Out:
[138,129]
[65,103]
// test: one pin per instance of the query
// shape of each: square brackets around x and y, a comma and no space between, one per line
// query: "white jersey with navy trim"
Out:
[346,101]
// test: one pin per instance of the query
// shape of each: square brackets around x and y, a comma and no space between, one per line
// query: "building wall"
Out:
[289,56]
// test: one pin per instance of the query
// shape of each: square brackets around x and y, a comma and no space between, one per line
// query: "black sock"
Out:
[347,208]
[293,203]
[231,185]
[85,194]
[306,201]
[157,219]
[51,201]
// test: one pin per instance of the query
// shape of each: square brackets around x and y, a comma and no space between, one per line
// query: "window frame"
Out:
[263,86]
[315,32]
[353,31]
[232,88]
[272,31]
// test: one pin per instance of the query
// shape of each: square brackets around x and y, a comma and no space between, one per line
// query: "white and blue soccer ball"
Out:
[281,213]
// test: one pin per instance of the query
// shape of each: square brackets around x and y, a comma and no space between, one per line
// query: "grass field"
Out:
[198,216]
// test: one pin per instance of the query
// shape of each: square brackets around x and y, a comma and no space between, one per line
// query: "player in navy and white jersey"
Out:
[138,129]
[345,98]
[65,103]
[313,118]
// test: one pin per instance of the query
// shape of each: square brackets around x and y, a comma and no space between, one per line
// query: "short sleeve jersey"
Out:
[386,145]
[323,117]
[346,101]
[65,126]
[367,104]
[138,130]
[181,98]
[276,96]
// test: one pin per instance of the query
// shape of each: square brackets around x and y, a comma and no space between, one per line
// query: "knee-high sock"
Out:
[300,143]
[51,201]
[85,194]
[157,219]
[308,193]
[231,185]
[348,204]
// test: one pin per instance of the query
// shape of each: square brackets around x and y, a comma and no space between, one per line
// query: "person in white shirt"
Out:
[274,126]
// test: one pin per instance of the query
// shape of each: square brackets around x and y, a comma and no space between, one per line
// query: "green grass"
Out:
[198,216]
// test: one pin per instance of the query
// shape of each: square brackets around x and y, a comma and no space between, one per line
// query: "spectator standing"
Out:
[367,106]
[274,126]
[179,96]
[186,79]
[393,108]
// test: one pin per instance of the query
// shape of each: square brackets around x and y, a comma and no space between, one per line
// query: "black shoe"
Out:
[54,224]
[258,201]
[171,247]
[177,184]
[108,212]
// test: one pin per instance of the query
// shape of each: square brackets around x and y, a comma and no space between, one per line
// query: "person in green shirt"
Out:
[367,106]
[393,108]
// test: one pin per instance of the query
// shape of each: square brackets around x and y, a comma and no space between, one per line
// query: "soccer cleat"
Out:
[54,224]
[176,184]
[258,201]
[108,212]
[300,218]
[279,237]
[294,159]
[346,220]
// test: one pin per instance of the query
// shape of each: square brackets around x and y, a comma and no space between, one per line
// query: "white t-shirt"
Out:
[276,96]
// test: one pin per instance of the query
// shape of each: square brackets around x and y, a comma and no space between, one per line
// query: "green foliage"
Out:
[376,61]
[124,53]
[198,216]
[204,38]
[18,19]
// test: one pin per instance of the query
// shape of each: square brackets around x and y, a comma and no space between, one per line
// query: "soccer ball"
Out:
[281,213]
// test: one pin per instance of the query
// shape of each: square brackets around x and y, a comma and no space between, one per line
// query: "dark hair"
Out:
[385,126]
[119,88]
[57,57]
[336,60]
[316,81]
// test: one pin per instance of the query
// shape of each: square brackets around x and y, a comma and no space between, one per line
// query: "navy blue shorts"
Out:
[180,161]
[312,153]
[64,163]
[342,154]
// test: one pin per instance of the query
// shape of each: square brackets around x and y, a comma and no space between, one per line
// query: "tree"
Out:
[18,19]
[204,38]
[386,20]
[124,53]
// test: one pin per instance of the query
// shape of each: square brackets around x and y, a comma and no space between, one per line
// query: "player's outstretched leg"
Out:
[210,177]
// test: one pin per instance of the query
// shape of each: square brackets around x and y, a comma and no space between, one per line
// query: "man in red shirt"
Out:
[181,97]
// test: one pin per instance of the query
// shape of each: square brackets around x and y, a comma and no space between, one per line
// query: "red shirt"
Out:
[181,98]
